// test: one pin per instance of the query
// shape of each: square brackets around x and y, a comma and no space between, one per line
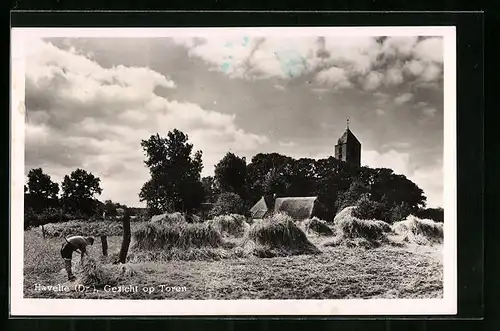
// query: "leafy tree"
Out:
[265,171]
[351,196]
[175,183]
[110,208]
[228,203]
[210,188]
[435,214]
[40,192]
[369,209]
[79,191]
[230,174]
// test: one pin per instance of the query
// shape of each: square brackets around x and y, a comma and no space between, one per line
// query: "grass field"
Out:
[338,272]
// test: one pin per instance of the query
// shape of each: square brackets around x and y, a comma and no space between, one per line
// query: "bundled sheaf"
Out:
[151,236]
[84,228]
[97,275]
[317,226]
[277,235]
[169,218]
[419,231]
[233,224]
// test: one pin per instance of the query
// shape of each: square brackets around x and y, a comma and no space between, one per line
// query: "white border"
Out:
[75,307]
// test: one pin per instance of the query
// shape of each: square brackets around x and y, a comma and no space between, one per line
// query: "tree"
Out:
[351,196]
[230,174]
[41,190]
[228,203]
[175,183]
[210,188]
[79,191]
[110,208]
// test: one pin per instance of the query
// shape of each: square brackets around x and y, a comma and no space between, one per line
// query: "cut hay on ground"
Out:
[317,226]
[150,236]
[233,224]
[419,231]
[277,236]
[84,228]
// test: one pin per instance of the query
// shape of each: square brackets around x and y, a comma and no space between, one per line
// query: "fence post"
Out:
[104,243]
[126,236]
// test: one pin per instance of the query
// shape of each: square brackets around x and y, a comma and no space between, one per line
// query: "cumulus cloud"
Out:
[336,62]
[403,98]
[81,114]
[429,179]
[333,77]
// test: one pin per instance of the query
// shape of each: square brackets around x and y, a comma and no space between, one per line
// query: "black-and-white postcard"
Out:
[233,171]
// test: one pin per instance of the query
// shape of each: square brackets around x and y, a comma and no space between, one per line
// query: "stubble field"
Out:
[339,272]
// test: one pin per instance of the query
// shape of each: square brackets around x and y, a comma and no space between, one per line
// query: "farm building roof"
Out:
[296,207]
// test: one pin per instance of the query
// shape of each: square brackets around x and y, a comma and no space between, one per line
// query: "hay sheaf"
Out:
[354,232]
[168,218]
[317,226]
[419,231]
[84,228]
[277,236]
[345,213]
[150,236]
[233,224]
[99,275]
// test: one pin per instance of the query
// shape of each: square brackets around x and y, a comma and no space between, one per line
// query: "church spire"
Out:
[347,123]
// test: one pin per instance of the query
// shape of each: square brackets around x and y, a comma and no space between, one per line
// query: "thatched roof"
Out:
[296,207]
[259,209]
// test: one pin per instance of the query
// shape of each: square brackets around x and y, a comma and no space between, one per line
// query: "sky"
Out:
[90,102]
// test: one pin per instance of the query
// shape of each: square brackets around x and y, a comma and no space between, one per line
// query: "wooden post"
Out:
[126,236]
[104,243]
[43,231]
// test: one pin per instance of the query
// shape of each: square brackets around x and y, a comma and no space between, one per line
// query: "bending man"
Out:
[72,244]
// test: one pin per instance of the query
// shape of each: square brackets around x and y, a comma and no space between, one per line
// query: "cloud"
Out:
[336,62]
[429,112]
[333,77]
[287,144]
[279,87]
[403,98]
[429,178]
[81,114]
[380,112]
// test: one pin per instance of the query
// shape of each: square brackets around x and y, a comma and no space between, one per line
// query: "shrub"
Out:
[420,231]
[233,224]
[435,214]
[150,236]
[227,203]
[318,226]
[398,213]
[368,209]
[278,236]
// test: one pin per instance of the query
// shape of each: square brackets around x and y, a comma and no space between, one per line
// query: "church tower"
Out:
[348,148]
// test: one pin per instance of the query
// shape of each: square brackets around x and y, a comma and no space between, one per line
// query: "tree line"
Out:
[176,184]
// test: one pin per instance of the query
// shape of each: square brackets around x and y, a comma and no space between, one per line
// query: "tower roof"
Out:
[348,136]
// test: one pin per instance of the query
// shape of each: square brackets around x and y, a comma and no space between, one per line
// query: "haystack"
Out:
[168,218]
[277,236]
[317,226]
[150,236]
[419,231]
[233,224]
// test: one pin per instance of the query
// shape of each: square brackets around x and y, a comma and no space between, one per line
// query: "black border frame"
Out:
[470,130]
